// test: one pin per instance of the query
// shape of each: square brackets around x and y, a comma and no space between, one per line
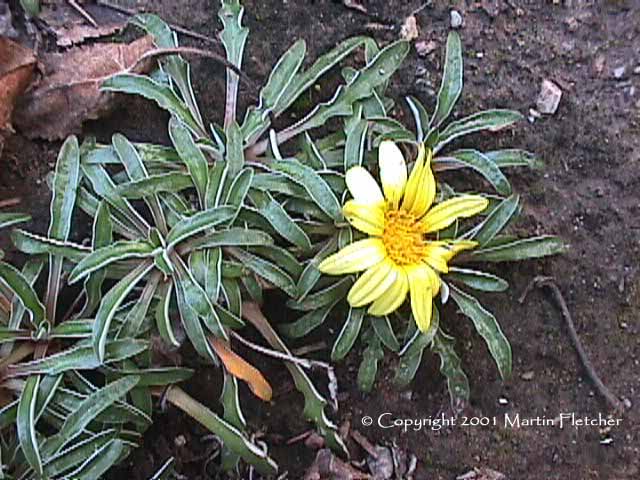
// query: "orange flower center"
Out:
[403,237]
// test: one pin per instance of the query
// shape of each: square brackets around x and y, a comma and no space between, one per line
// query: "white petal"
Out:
[363,186]
[393,171]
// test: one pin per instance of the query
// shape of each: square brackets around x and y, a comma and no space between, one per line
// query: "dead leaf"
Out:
[409,30]
[354,5]
[327,466]
[16,69]
[69,93]
[482,473]
[6,21]
[78,33]
[240,368]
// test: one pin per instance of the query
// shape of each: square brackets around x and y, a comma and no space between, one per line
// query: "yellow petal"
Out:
[394,296]
[372,283]
[365,217]
[445,213]
[393,172]
[458,246]
[426,190]
[434,279]
[437,255]
[363,186]
[355,257]
[411,188]
[421,296]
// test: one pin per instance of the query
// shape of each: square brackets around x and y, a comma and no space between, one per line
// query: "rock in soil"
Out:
[456,19]
[548,98]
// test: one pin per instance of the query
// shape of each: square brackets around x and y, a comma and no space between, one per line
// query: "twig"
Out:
[550,283]
[83,12]
[303,362]
[10,202]
[177,28]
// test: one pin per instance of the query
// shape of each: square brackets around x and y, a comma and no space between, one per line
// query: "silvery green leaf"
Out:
[492,120]
[65,184]
[450,367]
[488,328]
[327,296]
[514,158]
[232,414]
[33,244]
[235,150]
[257,119]
[281,257]
[111,302]
[307,323]
[384,331]
[233,36]
[478,280]
[355,144]
[496,220]
[240,188]
[8,219]
[165,182]
[100,258]
[199,222]
[348,335]
[163,317]
[411,353]
[165,472]
[215,187]
[267,270]
[232,296]
[150,89]
[451,85]
[21,287]
[154,376]
[483,165]
[78,453]
[310,275]
[368,369]
[193,326]
[191,155]
[135,317]
[527,248]
[230,237]
[26,424]
[420,117]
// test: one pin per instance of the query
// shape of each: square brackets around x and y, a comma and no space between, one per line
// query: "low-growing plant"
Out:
[188,239]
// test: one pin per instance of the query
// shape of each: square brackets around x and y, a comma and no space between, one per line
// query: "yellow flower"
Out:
[400,257]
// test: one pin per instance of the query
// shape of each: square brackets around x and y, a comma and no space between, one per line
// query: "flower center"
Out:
[403,237]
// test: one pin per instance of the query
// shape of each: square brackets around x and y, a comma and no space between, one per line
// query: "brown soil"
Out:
[587,194]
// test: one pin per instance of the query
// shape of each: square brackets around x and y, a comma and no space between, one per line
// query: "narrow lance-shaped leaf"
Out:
[12,277]
[483,165]
[478,280]
[348,335]
[411,354]
[171,182]
[451,85]
[192,156]
[26,421]
[8,219]
[368,369]
[195,224]
[488,328]
[528,248]
[450,367]
[33,244]
[110,304]
[496,220]
[235,150]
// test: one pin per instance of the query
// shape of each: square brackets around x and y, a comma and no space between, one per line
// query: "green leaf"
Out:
[328,295]
[135,317]
[514,158]
[151,90]
[313,183]
[484,166]
[450,367]
[240,187]
[88,410]
[23,290]
[233,36]
[81,358]
[534,247]
[231,237]
[496,220]
[451,85]
[165,182]
[411,354]
[488,328]
[492,120]
[280,220]
[267,270]
[78,453]
[118,251]
[420,117]
[191,155]
[198,222]
[235,150]
[257,119]
[384,331]
[368,369]
[26,424]
[110,303]
[217,176]
[163,317]
[477,280]
[8,219]
[307,323]
[31,7]
[302,81]
[348,335]
[154,377]
[354,148]
[33,244]
[65,184]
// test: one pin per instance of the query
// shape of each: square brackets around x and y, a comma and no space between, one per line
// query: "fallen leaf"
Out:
[69,93]
[241,369]
[409,30]
[327,466]
[16,69]
[354,5]
[6,21]
[77,33]
[482,473]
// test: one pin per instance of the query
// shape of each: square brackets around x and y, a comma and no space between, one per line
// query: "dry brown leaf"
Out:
[78,33]
[69,93]
[241,369]
[16,69]
[409,30]
[327,466]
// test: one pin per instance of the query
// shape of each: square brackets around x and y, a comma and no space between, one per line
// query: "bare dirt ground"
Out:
[587,194]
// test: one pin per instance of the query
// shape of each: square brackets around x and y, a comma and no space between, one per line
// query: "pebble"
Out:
[528,375]
[409,30]
[636,71]
[627,403]
[618,73]
[424,48]
[456,19]
[503,401]
[548,98]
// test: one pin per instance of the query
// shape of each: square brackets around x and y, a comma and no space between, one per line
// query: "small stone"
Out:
[503,401]
[409,30]
[548,98]
[528,375]
[618,73]
[456,19]
[627,403]
[180,441]
[424,48]
[636,71]
[314,441]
